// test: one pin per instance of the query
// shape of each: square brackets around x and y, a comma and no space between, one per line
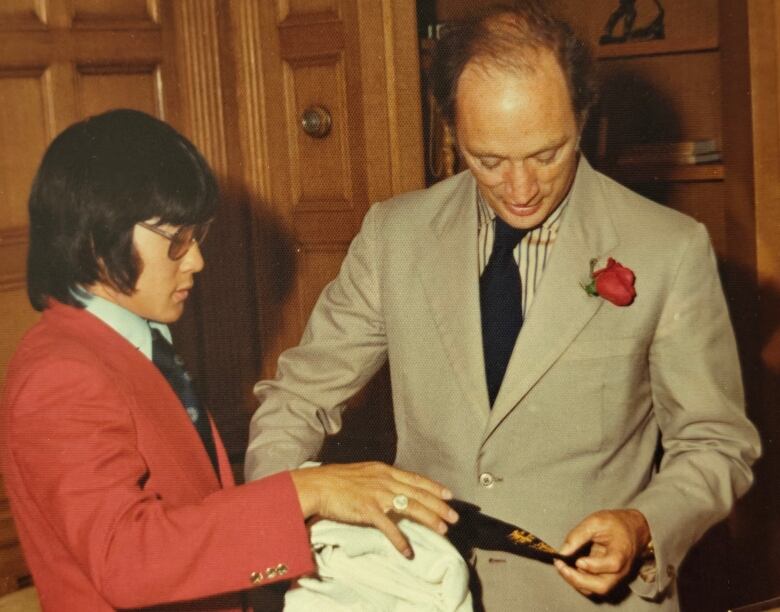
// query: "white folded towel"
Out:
[360,571]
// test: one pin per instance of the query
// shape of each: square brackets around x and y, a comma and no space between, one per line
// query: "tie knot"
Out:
[163,353]
[506,236]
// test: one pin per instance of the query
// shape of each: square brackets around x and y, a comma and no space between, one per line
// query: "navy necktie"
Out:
[501,306]
[172,367]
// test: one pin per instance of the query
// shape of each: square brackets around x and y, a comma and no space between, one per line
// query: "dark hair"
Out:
[97,179]
[501,36]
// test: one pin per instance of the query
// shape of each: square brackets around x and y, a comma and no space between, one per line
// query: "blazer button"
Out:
[270,572]
[255,577]
[670,571]
[487,480]
[281,569]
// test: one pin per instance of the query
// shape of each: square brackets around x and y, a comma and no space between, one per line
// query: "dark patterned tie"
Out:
[500,305]
[172,367]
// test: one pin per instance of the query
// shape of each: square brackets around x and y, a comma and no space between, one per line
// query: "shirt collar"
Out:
[127,324]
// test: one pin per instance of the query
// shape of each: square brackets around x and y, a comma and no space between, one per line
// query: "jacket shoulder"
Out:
[423,205]
[633,213]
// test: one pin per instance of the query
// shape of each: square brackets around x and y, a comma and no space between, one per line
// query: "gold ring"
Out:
[400,502]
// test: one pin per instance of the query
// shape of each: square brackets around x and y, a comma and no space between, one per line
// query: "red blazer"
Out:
[114,496]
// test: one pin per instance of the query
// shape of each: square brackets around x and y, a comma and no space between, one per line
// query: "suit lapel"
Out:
[156,402]
[561,307]
[449,274]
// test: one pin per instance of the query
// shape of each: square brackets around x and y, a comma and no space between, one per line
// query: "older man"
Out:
[545,329]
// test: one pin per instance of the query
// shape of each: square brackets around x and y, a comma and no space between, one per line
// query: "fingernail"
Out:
[453,516]
[408,553]
[447,494]
[442,528]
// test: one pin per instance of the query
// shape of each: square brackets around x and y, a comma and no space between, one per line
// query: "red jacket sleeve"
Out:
[78,474]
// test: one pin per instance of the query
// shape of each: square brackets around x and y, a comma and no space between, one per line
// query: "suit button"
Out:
[270,572]
[487,480]
[255,577]
[670,571]
[281,569]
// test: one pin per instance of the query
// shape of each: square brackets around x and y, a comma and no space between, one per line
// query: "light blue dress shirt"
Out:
[136,330]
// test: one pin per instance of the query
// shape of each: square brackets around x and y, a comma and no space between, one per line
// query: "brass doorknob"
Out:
[316,121]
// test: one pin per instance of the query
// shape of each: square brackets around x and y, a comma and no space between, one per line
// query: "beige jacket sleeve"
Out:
[698,404]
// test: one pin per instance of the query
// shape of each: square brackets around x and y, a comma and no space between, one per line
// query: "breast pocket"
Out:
[590,391]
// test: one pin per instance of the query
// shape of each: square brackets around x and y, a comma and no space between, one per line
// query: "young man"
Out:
[533,398]
[119,484]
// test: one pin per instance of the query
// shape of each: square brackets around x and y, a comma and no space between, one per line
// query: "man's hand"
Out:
[363,493]
[617,537]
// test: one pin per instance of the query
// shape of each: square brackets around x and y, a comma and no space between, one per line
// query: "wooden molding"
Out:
[199,49]
[251,96]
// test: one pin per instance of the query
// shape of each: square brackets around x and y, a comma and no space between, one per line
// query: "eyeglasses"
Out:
[182,239]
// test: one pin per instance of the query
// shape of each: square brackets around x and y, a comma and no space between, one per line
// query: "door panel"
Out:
[101,88]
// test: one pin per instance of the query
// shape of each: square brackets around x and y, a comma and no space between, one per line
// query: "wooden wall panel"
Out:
[97,11]
[291,9]
[19,14]
[320,172]
[102,88]
[13,248]
[15,314]
[23,100]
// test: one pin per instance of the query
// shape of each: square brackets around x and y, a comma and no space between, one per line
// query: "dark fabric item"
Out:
[501,307]
[477,530]
[172,367]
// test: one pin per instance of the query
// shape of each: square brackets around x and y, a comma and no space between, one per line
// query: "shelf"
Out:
[666,174]
[655,47]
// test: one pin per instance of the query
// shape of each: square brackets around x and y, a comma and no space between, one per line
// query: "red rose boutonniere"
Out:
[614,283]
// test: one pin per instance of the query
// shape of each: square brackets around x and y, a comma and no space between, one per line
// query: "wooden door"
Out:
[300,199]
[359,61]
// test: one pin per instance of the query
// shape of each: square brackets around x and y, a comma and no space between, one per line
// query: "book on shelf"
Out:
[680,153]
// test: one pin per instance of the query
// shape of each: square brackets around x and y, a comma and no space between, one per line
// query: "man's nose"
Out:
[193,259]
[520,183]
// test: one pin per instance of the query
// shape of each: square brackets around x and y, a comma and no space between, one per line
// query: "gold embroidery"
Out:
[519,536]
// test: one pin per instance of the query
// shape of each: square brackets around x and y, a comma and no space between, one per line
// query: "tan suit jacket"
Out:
[589,390]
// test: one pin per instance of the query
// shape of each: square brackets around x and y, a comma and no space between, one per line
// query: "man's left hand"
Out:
[617,537]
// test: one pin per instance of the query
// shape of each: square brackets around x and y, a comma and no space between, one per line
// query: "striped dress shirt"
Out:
[531,254]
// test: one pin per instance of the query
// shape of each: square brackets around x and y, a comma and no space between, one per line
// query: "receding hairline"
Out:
[512,45]
[486,67]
